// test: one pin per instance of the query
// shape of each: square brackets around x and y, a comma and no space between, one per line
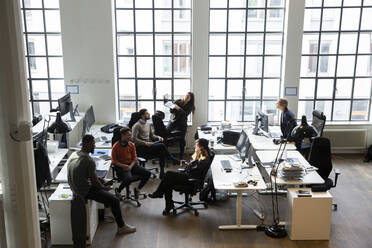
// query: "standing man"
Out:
[287,119]
[85,184]
[149,145]
[124,157]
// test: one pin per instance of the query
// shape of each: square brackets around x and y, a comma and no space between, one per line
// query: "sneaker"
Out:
[136,193]
[118,194]
[126,229]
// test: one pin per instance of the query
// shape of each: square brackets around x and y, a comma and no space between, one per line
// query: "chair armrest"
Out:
[181,169]
[337,173]
[140,159]
[193,180]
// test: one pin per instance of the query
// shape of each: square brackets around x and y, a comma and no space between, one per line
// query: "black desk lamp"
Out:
[59,126]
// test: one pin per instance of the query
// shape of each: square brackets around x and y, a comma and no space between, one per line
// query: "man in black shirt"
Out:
[287,119]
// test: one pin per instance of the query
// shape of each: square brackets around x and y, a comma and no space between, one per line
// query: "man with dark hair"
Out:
[85,184]
[124,157]
[287,119]
[149,145]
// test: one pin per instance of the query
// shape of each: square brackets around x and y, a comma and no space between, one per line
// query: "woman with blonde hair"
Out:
[196,168]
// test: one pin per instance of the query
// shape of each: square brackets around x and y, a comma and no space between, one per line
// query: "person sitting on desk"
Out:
[144,139]
[124,158]
[85,184]
[195,169]
[287,119]
[180,112]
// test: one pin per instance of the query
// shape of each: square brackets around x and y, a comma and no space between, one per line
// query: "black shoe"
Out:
[155,195]
[161,175]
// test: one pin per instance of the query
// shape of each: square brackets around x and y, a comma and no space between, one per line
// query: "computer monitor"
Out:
[241,145]
[261,123]
[65,106]
[84,130]
[89,117]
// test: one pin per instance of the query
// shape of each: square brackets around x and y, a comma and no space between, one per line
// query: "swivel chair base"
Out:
[275,231]
[128,197]
[189,205]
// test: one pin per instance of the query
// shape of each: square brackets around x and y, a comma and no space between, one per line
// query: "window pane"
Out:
[56,67]
[126,109]
[124,20]
[38,67]
[310,43]
[254,44]
[332,3]
[33,4]
[236,20]
[216,67]
[163,20]
[343,88]
[34,21]
[364,65]
[216,89]
[218,21]
[234,110]
[235,66]
[182,20]
[305,108]
[143,3]
[307,88]
[325,88]
[145,89]
[326,66]
[236,44]
[367,19]
[348,43]
[182,45]
[273,44]
[272,66]
[328,44]
[325,107]
[52,21]
[312,19]
[126,3]
[163,44]
[274,20]
[41,108]
[143,20]
[163,66]
[57,89]
[234,89]
[256,3]
[250,110]
[313,3]
[40,89]
[253,66]
[125,44]
[126,67]
[269,107]
[127,89]
[308,66]
[145,67]
[218,3]
[181,66]
[160,107]
[360,110]
[341,111]
[350,19]
[345,66]
[181,87]
[36,44]
[237,3]
[163,87]
[331,19]
[54,44]
[362,87]
[182,3]
[256,20]
[217,44]
[163,3]
[271,88]
[365,43]
[352,2]
[149,105]
[144,44]
[215,111]
[253,89]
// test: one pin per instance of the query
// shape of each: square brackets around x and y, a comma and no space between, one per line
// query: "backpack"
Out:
[368,156]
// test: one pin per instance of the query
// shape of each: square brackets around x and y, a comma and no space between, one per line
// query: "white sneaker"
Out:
[126,229]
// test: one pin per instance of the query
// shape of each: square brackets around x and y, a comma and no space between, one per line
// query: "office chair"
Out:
[134,117]
[171,138]
[195,186]
[320,157]
[142,161]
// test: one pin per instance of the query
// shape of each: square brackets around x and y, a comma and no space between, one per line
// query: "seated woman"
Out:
[180,112]
[195,169]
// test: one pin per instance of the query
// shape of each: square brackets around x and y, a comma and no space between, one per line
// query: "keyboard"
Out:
[226,165]
[275,134]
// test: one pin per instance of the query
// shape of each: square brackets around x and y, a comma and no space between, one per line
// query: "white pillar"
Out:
[18,181]
[200,22]
[293,32]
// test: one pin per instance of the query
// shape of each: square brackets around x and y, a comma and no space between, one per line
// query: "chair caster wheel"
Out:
[144,196]
[196,213]
[174,212]
[157,170]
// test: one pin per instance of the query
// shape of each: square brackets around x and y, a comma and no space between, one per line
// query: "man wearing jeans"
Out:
[149,145]
[85,184]
[124,158]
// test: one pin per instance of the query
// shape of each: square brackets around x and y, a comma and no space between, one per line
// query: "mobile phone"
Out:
[109,183]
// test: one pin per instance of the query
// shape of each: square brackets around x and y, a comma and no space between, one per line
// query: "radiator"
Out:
[347,138]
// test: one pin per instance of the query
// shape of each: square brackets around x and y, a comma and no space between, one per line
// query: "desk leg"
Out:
[238,225]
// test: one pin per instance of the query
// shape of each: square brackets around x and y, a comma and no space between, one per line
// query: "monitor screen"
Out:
[241,146]
[89,117]
[64,104]
[264,121]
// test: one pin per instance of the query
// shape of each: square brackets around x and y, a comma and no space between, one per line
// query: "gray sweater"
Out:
[142,133]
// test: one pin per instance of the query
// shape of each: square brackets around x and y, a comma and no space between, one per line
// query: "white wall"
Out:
[88,55]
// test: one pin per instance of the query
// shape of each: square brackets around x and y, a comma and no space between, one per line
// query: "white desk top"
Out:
[55,158]
[260,142]
[101,165]
[218,148]
[225,181]
[62,193]
[312,177]
[39,126]
[95,130]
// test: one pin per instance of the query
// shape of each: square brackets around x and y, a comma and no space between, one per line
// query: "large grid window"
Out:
[336,67]
[43,50]
[245,58]
[153,53]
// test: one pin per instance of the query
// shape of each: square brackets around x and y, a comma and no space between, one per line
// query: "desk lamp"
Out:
[59,126]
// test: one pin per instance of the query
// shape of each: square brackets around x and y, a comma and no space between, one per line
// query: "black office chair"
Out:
[134,117]
[195,186]
[171,138]
[320,157]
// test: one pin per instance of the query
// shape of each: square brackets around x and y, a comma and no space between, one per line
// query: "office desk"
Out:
[55,158]
[101,165]
[218,148]
[225,181]
[95,130]
[312,177]
[263,143]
